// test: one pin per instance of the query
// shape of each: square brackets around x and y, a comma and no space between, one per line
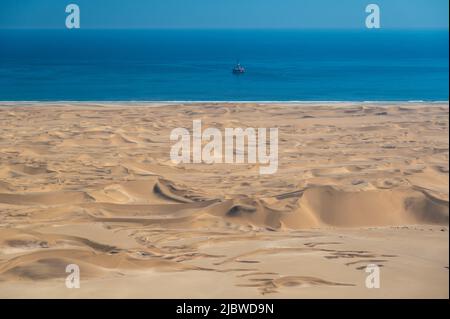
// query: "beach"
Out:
[93,184]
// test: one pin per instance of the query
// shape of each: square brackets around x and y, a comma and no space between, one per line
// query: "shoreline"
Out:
[227,102]
[159,104]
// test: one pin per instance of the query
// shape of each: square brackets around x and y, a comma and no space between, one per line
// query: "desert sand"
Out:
[93,185]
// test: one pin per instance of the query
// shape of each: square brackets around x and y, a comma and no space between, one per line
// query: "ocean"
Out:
[195,65]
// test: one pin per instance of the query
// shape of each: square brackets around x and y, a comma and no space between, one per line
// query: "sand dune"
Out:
[93,185]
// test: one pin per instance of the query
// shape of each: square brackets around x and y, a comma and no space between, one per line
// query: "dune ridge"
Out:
[157,200]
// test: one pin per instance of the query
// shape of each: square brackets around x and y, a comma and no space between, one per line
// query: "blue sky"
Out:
[409,14]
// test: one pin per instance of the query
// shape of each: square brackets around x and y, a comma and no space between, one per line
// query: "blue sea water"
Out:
[195,65]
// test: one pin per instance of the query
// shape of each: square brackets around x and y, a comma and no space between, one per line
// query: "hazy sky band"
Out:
[250,14]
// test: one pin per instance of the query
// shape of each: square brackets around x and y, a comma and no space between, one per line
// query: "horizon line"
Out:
[236,28]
